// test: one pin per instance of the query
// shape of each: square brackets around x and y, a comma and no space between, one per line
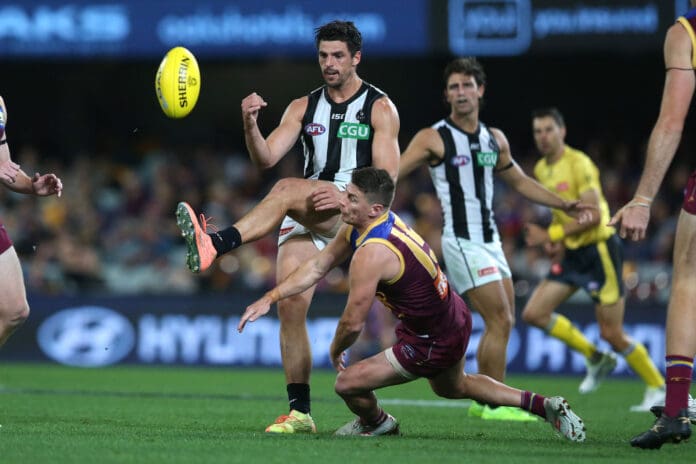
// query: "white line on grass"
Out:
[427,403]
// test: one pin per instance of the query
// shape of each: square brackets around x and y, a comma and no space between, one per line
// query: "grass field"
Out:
[53,414]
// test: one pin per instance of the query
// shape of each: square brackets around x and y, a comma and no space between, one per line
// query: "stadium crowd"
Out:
[114,229]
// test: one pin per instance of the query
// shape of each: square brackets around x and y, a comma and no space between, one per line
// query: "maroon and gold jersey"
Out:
[419,295]
[689,23]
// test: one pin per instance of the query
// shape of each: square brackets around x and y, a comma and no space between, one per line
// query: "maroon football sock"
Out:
[679,371]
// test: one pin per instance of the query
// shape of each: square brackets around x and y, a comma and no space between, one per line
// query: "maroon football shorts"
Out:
[428,357]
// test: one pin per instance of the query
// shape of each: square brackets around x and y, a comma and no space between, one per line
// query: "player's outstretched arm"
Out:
[632,219]
[513,175]
[371,263]
[301,279]
[425,147]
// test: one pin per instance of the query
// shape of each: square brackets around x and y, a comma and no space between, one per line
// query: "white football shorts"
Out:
[471,264]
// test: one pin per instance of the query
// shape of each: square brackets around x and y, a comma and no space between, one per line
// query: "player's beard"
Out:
[466,110]
[339,80]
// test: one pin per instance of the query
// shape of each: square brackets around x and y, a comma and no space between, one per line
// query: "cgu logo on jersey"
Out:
[460,160]
[487,159]
[313,129]
[352,130]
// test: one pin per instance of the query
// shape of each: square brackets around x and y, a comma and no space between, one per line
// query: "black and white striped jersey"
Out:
[337,137]
[463,181]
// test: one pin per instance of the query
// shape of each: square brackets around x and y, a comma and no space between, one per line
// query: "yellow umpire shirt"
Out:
[572,175]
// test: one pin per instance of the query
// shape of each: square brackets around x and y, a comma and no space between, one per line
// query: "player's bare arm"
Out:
[311,272]
[425,147]
[508,170]
[632,219]
[266,152]
[537,235]
[385,143]
[371,263]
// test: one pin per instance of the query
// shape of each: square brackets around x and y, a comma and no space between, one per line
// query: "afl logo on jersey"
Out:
[460,160]
[313,129]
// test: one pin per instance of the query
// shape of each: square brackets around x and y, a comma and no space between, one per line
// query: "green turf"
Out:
[52,414]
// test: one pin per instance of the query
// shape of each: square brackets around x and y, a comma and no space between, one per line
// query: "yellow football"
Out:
[178,82]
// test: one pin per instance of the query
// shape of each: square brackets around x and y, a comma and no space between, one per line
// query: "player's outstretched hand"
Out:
[255,310]
[326,197]
[48,184]
[632,220]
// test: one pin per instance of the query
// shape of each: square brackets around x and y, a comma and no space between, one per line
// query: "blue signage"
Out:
[202,330]
[219,28]
[516,27]
[489,27]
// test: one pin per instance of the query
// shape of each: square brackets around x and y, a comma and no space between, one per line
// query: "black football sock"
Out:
[226,240]
[298,397]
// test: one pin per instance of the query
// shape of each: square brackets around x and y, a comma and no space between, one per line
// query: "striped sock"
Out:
[533,403]
[679,372]
[377,421]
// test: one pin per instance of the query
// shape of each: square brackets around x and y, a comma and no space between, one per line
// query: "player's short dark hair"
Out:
[549,112]
[376,184]
[467,65]
[345,31]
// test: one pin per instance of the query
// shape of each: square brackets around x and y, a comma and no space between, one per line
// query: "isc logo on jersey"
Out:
[353,130]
